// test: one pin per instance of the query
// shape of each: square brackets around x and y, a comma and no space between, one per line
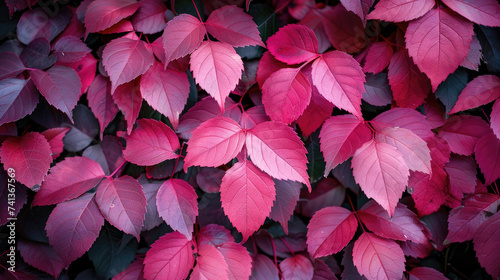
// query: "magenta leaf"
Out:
[297,267]
[210,264]
[177,204]
[378,258]
[215,142]
[330,230]
[60,85]
[85,68]
[438,43]
[487,244]
[495,118]
[183,34]
[63,183]
[340,137]
[263,268]
[37,23]
[359,7]
[400,10]
[166,90]
[403,225]
[267,66]
[484,12]
[230,24]
[101,102]
[123,203]
[128,99]
[70,49]
[102,14]
[462,133]
[425,273]
[404,118]
[378,57]
[462,172]
[286,94]
[150,18]
[10,65]
[287,195]
[30,155]
[339,79]
[487,152]
[247,196]
[18,98]
[293,44]
[170,257]
[134,271]
[277,150]
[237,258]
[202,111]
[480,91]
[41,256]
[108,153]
[217,69]
[73,226]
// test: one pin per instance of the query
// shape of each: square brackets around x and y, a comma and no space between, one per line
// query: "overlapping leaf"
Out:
[102,14]
[293,44]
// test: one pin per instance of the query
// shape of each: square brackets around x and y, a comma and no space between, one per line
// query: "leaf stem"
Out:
[356,213]
[275,257]
[288,246]
[116,170]
[177,160]
[199,17]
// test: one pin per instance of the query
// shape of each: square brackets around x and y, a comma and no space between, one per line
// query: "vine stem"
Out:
[356,213]
[288,246]
[275,257]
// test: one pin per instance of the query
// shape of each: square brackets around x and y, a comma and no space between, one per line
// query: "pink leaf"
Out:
[297,267]
[359,7]
[487,152]
[183,34]
[276,149]
[247,196]
[215,235]
[253,117]
[210,264]
[339,79]
[286,94]
[237,258]
[150,143]
[400,10]
[108,153]
[315,114]
[166,90]
[378,258]
[438,43]
[462,172]
[128,99]
[267,66]
[73,226]
[60,85]
[403,225]
[463,132]
[217,69]
[378,57]
[101,102]
[382,173]
[85,68]
[150,18]
[30,155]
[287,195]
[487,245]
[55,138]
[178,206]
[230,24]
[293,44]
[330,230]
[495,118]
[263,268]
[170,257]
[18,98]
[485,12]
[133,272]
[426,273]
[414,150]
[480,91]
[102,14]
[473,60]
[123,203]
[409,86]
[340,137]
[202,111]
[63,183]
[404,118]
[10,65]
[70,49]
[41,256]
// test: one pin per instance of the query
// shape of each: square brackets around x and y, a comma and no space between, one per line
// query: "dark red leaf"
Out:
[487,152]
[150,18]
[495,118]
[128,99]
[55,138]
[487,245]
[102,14]
[462,172]
[297,267]
[85,68]
[41,256]
[359,7]
[322,271]
[37,54]
[462,133]
[293,44]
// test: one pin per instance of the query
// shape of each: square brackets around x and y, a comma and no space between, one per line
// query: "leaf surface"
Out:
[210,264]
[102,14]
[297,267]
[150,17]
[487,244]
[101,102]
[400,10]
[487,152]
[183,34]
[10,65]
[378,57]
[421,273]
[463,132]
[293,44]
[36,23]
[486,12]
[70,49]
[18,98]
[480,91]
[404,118]
[237,258]
[128,99]
[41,256]
[287,195]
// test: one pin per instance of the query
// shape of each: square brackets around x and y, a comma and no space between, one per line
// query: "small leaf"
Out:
[378,57]
[377,91]
[101,102]
[293,44]
[287,195]
[297,267]
[18,98]
[55,138]
[150,18]
[480,91]
[128,99]
[237,258]
[183,34]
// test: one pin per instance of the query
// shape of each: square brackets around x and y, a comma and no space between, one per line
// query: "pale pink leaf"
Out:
[55,138]
[487,245]
[128,99]
[70,49]
[230,24]
[276,149]
[177,204]
[123,204]
[183,34]
[480,91]
[293,44]
[170,257]
[237,258]
[102,14]
[214,142]
[210,264]
[400,10]
[18,98]
[217,69]
[339,78]
[286,94]
[378,258]
[101,102]
[462,172]
[330,230]
[473,60]
[404,118]
[484,12]
[41,256]
[426,273]
[297,267]
[462,133]
[69,179]
[340,137]
[247,196]
[487,152]
[438,43]
[73,226]
[287,195]
[378,57]
[382,173]
[150,18]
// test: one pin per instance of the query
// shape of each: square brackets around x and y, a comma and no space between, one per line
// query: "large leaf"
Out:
[70,49]
[480,91]
[463,132]
[400,10]
[339,79]
[237,258]
[73,226]
[102,14]
[150,18]
[177,204]
[150,143]
[404,118]
[287,195]
[230,24]
[276,149]
[330,230]
[378,258]
[64,183]
[101,102]
[183,34]
[297,267]
[210,264]
[382,173]
[37,23]
[217,69]
[487,152]
[486,12]
[487,245]
[340,137]
[170,257]
[438,43]
[247,195]
[293,44]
